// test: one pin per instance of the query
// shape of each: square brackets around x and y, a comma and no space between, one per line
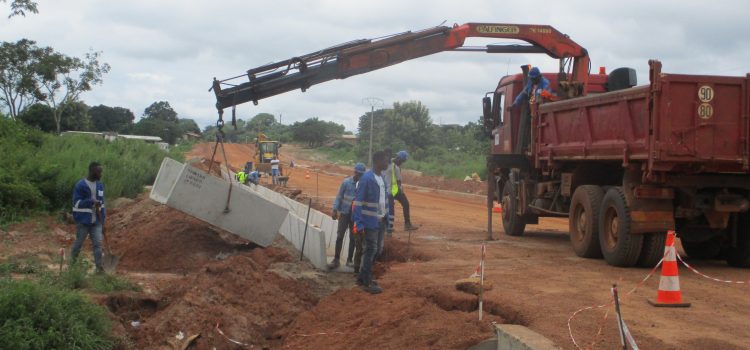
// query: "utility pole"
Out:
[372,102]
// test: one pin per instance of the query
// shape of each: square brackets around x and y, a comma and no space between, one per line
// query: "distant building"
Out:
[111,136]
[351,139]
[191,136]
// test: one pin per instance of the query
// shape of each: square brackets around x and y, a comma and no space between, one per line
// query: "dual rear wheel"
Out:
[599,225]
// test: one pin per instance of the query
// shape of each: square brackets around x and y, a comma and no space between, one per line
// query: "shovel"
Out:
[109,260]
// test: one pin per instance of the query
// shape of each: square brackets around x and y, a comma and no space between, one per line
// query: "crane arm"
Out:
[366,55]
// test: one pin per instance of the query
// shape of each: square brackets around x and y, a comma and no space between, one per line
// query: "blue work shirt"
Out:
[347,191]
[543,85]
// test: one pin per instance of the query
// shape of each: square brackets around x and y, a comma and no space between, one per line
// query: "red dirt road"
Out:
[538,282]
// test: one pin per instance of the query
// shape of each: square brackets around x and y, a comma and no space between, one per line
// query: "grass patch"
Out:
[25,265]
[77,276]
[108,283]
[38,170]
[38,316]
[340,155]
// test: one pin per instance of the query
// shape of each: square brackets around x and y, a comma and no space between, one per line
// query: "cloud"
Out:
[170,50]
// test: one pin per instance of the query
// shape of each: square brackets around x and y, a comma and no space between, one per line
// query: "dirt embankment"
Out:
[195,276]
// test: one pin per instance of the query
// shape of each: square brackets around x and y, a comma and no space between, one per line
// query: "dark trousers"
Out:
[345,223]
[359,242]
[401,198]
[368,258]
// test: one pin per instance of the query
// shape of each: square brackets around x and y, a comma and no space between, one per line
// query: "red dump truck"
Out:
[627,163]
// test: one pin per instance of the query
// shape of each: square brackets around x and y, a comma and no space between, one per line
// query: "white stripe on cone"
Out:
[670,254]
[669,283]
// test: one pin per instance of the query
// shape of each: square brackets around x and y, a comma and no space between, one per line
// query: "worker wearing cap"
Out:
[342,212]
[392,177]
[536,86]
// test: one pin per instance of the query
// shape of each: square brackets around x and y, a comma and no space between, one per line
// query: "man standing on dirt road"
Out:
[370,210]
[275,173]
[392,177]
[89,213]
[342,211]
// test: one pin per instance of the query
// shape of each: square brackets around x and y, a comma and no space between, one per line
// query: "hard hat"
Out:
[360,168]
[402,155]
[534,72]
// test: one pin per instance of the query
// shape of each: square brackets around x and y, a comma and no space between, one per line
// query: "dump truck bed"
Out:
[678,123]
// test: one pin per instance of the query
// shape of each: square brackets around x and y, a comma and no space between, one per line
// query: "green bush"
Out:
[39,316]
[38,170]
[107,283]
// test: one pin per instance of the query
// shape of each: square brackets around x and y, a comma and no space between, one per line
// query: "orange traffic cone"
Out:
[669,294]
[496,208]
[307,174]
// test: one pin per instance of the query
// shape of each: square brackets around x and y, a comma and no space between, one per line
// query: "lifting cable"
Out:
[220,141]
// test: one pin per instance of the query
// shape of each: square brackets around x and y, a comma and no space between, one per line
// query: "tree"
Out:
[159,119]
[261,122]
[63,79]
[18,68]
[188,125]
[105,118]
[407,126]
[75,116]
[38,115]
[161,110]
[315,132]
[20,7]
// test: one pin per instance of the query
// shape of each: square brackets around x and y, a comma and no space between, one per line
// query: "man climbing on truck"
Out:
[342,212]
[536,87]
[392,177]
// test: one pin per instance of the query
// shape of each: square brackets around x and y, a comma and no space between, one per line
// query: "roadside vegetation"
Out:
[44,309]
[38,170]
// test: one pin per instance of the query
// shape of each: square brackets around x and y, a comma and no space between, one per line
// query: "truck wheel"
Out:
[583,221]
[619,247]
[513,224]
[653,249]
[709,249]
[740,256]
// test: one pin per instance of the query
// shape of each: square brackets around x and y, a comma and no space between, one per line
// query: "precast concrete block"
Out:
[322,231]
[198,194]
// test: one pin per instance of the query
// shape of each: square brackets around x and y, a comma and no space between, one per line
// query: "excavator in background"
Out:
[624,163]
[265,151]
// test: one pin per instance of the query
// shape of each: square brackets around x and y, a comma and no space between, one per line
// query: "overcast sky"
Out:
[171,49]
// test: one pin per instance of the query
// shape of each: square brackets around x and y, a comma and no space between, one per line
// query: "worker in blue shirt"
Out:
[370,208]
[89,213]
[253,177]
[534,88]
[342,211]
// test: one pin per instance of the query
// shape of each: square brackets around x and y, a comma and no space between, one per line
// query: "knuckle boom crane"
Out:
[366,55]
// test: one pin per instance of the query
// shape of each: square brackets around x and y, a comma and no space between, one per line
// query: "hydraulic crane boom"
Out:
[365,55]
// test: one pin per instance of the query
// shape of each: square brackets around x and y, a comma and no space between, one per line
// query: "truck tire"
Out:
[513,224]
[619,247]
[583,221]
[709,249]
[653,249]
[740,256]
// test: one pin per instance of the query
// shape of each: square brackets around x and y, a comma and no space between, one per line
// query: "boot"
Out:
[409,227]
[372,289]
[333,265]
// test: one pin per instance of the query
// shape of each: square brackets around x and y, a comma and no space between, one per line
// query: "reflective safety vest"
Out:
[241,177]
[394,183]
